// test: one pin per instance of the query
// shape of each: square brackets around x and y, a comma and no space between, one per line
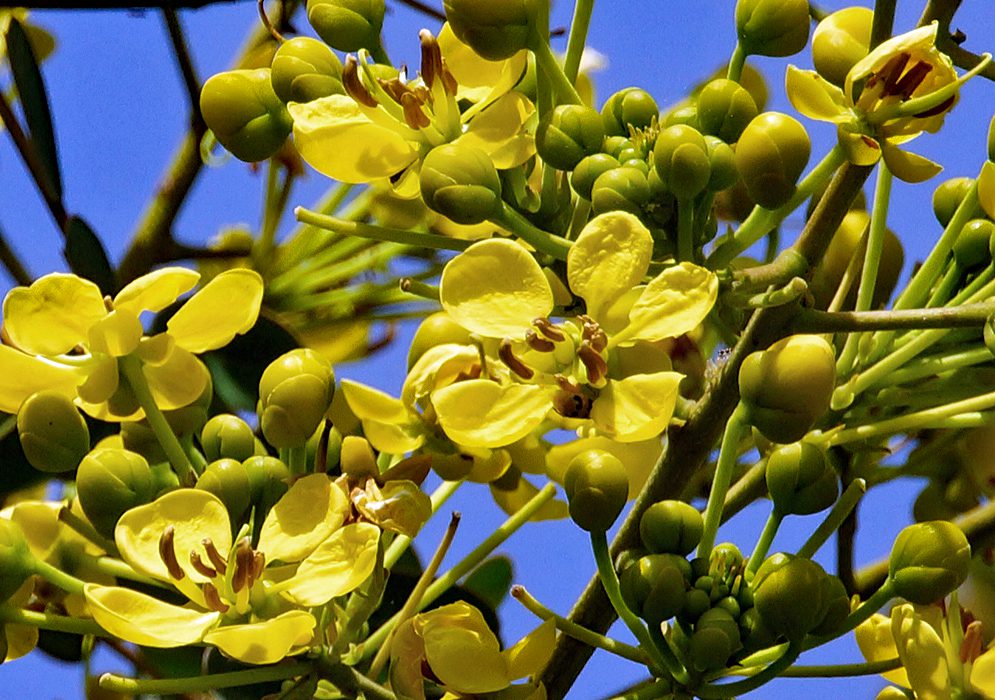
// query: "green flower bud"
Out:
[620,189]
[724,109]
[928,561]
[972,249]
[16,560]
[269,479]
[724,559]
[686,115]
[771,154]
[295,392]
[305,69]
[772,27]
[437,329]
[629,107]
[190,419]
[110,481]
[53,434]
[615,146]
[229,480]
[567,134]
[597,487]
[347,25]
[835,603]
[696,602]
[495,30]
[800,480]
[357,458]
[461,183]
[244,113]
[138,437]
[680,157]
[722,160]
[753,632]
[654,587]
[716,637]
[587,171]
[788,593]
[672,527]
[840,40]
[227,437]
[786,388]
[948,196]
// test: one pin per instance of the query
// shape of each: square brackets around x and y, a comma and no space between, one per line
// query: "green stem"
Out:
[578,38]
[724,468]
[685,230]
[84,529]
[944,317]
[861,614]
[120,569]
[274,203]
[947,287]
[841,510]
[775,669]
[402,542]
[763,543]
[736,63]
[542,241]
[131,368]
[419,289]
[55,623]
[868,668]
[59,578]
[196,684]
[547,63]
[379,233]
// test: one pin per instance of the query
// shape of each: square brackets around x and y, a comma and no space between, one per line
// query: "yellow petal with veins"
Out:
[22,375]
[674,302]
[338,566]
[267,641]
[156,290]
[637,407]
[816,97]
[908,167]
[309,512]
[116,334]
[53,315]
[482,413]
[922,653]
[500,132]
[227,306]
[877,644]
[532,652]
[177,382]
[142,619]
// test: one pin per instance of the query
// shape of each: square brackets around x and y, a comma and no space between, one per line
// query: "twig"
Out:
[185,62]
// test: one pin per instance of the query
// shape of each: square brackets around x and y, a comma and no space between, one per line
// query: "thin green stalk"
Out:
[764,542]
[579,25]
[547,63]
[85,529]
[46,621]
[57,577]
[542,241]
[262,251]
[861,614]
[379,233]
[868,668]
[441,494]
[736,63]
[685,230]
[198,684]
[840,511]
[947,287]
[419,289]
[120,569]
[775,669]
[930,366]
[724,468]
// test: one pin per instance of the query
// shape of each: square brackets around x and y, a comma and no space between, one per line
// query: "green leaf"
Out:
[87,258]
[491,581]
[31,89]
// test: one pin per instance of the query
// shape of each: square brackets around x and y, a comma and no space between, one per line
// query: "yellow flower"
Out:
[462,654]
[240,601]
[383,128]
[903,87]
[65,336]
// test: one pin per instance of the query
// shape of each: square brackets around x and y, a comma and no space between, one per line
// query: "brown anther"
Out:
[593,334]
[422,93]
[566,384]
[108,303]
[258,564]
[595,364]
[912,79]
[889,74]
[413,114]
[243,565]
[538,344]
[549,330]
[938,109]
[970,648]
[869,142]
[167,552]
[217,561]
[431,57]
[353,85]
[393,87]
[199,565]
[448,81]
[472,372]
[213,599]
[514,364]
[572,404]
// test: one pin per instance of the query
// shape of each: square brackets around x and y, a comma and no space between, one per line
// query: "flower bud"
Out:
[840,40]
[771,154]
[716,637]
[305,69]
[788,593]
[495,30]
[724,109]
[835,604]
[227,437]
[357,458]
[16,560]
[436,329]
[654,586]
[347,25]
[680,157]
[722,160]
[53,434]
[587,171]
[772,27]
[244,113]
[228,480]
[752,630]
[672,527]
[567,134]
[686,114]
[800,480]
[628,107]
[110,481]
[948,196]
[972,249]
[786,388]
[620,189]
[295,391]
[190,419]
[269,479]
[928,561]
[461,183]
[597,487]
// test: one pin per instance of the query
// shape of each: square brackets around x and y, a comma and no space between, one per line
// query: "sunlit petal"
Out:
[265,642]
[53,315]
[22,375]
[142,619]
[675,302]
[339,565]
[309,512]
[815,97]
[482,413]
[637,407]
[227,306]
[156,290]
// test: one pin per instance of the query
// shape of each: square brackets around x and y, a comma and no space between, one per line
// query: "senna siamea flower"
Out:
[64,335]
[902,88]
[383,128]
[603,369]
[251,602]
[462,655]
[941,649]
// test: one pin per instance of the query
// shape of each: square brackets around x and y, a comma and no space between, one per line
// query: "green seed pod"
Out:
[628,107]
[53,434]
[771,154]
[972,249]
[244,113]
[948,196]
[347,25]
[654,587]
[597,487]
[620,189]
[269,479]
[587,171]
[800,480]
[110,481]
[786,388]
[295,392]
[190,419]
[680,157]
[16,560]
[788,594]
[227,437]
[772,27]
[567,134]
[461,183]
[228,480]
[437,329]
[672,527]
[305,69]
[840,40]
[724,109]
[495,30]
[928,561]
[722,160]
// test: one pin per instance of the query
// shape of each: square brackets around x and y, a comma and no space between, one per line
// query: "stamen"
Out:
[938,109]
[592,332]
[538,344]
[514,364]
[448,81]
[970,648]
[572,404]
[912,79]
[394,87]
[243,565]
[431,57]
[353,85]
[213,598]
[258,564]
[549,330]
[167,552]
[200,566]
[214,555]
[595,364]
[108,303]
[890,74]
[413,114]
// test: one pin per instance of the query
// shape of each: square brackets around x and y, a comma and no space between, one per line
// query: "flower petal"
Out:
[22,375]
[156,290]
[499,131]
[532,651]
[638,457]
[877,644]
[675,302]
[512,491]
[227,306]
[338,566]
[482,413]
[177,382]
[480,81]
[495,288]
[142,619]
[461,649]
[922,653]
[116,334]
[267,641]
[309,512]
[816,97]
[53,315]
[638,407]
[983,673]
[906,166]
[986,188]
[367,402]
